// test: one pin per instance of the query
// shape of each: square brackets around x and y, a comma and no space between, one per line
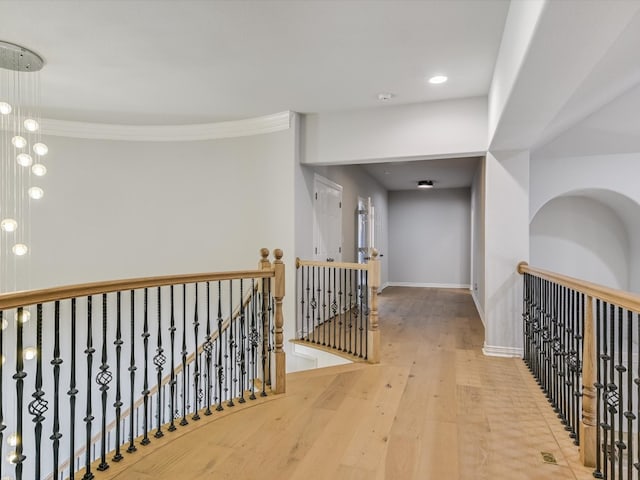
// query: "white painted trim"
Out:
[168,133]
[478,307]
[427,285]
[383,286]
[507,352]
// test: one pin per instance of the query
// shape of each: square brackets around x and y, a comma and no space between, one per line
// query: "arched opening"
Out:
[593,234]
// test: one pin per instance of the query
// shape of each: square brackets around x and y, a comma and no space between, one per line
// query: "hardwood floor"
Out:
[434,408]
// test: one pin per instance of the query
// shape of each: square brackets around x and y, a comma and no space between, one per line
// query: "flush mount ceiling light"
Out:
[385,97]
[425,184]
[438,79]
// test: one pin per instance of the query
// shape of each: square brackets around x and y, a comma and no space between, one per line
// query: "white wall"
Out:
[583,238]
[477,238]
[121,209]
[434,129]
[506,244]
[429,237]
[355,182]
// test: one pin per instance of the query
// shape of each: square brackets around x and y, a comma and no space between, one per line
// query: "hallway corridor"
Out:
[434,409]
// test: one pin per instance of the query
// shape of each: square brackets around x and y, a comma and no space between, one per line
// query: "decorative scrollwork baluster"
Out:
[39,405]
[159,360]
[208,349]
[103,379]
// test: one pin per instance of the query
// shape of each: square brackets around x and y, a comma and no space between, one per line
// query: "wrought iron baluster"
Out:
[19,377]
[242,336]
[598,385]
[172,393]
[159,360]
[219,364]
[232,344]
[145,380]
[302,304]
[196,362]
[318,323]
[612,394]
[334,308]
[72,392]
[629,415]
[264,329]
[254,338]
[184,421]
[621,369]
[132,374]
[88,419]
[118,403]
[366,314]
[324,305]
[208,348]
[103,379]
[341,310]
[605,389]
[39,405]
[56,362]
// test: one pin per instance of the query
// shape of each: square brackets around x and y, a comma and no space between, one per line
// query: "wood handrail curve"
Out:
[32,297]
[628,300]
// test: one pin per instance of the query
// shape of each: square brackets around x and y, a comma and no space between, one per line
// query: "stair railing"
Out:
[337,307]
[581,343]
[111,367]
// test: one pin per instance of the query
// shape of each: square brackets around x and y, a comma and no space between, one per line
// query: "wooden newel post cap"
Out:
[374,253]
[278,254]
[264,253]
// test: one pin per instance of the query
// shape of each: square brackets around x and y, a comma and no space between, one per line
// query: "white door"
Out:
[327,225]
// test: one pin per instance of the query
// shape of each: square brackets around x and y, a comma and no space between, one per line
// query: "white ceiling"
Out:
[182,62]
[445,173]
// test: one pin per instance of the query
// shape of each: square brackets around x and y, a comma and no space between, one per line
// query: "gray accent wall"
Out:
[430,237]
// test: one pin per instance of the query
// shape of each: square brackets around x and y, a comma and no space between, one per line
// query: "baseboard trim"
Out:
[428,285]
[383,286]
[496,351]
[478,308]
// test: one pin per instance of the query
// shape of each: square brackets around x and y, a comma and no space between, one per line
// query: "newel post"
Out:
[588,426]
[374,284]
[263,265]
[278,293]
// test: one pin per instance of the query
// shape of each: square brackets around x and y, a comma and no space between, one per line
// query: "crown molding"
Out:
[168,133]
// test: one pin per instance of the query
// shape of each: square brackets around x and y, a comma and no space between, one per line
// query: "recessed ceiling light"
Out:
[438,79]
[425,184]
[385,97]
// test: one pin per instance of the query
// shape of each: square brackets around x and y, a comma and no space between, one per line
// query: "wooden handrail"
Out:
[628,300]
[315,263]
[32,297]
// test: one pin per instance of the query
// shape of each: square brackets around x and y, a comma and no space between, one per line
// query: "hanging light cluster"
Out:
[22,153]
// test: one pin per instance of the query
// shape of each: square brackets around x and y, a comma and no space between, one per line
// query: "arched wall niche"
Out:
[593,234]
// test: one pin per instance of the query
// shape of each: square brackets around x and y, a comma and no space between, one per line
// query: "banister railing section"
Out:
[581,343]
[93,372]
[337,307]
